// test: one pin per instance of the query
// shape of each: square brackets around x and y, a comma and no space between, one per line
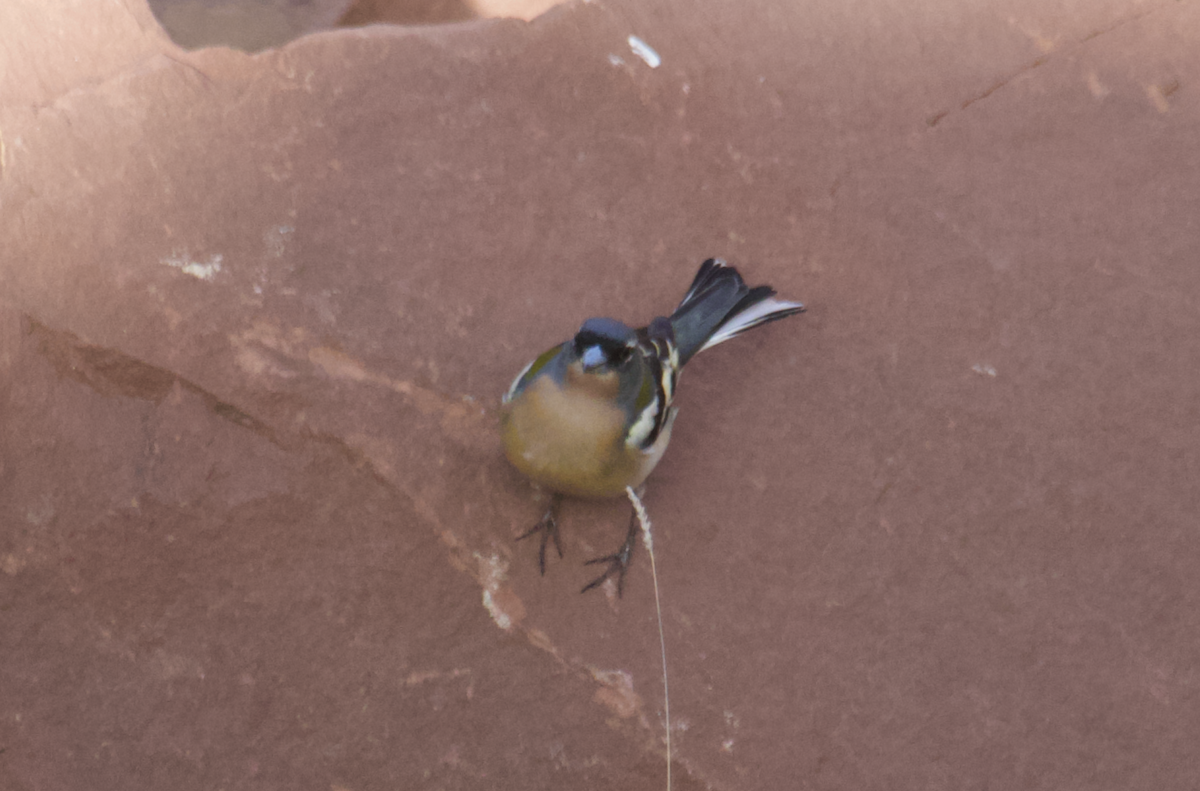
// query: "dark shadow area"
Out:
[255,25]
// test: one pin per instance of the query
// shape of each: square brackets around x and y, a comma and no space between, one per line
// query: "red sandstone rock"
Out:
[255,314]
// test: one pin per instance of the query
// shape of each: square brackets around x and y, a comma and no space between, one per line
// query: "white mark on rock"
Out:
[645,52]
[616,60]
[205,270]
[497,599]
[984,369]
[498,615]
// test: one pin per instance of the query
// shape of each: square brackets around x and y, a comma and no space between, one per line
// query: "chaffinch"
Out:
[593,415]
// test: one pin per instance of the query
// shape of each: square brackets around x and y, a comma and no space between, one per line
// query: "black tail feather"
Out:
[719,306]
[716,289]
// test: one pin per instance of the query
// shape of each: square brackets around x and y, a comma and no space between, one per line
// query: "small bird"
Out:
[593,415]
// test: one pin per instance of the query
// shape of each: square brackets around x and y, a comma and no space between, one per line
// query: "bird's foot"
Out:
[618,563]
[548,527]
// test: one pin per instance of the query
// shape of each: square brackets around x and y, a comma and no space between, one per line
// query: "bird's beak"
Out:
[592,358]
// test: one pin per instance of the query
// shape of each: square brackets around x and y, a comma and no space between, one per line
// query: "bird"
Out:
[593,415]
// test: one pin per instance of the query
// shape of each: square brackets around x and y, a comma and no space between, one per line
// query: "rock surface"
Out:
[256,312]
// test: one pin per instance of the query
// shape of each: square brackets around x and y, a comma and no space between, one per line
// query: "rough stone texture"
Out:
[256,312]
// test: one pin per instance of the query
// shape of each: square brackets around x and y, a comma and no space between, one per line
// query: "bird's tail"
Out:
[720,306]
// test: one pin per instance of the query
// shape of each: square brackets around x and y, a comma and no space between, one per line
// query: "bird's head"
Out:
[603,345]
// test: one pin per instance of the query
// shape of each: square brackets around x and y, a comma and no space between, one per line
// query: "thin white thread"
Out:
[648,541]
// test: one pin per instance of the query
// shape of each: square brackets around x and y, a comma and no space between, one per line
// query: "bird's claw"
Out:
[618,563]
[548,527]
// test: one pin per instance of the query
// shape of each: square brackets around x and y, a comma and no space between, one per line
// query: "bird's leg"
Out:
[618,563]
[548,527]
